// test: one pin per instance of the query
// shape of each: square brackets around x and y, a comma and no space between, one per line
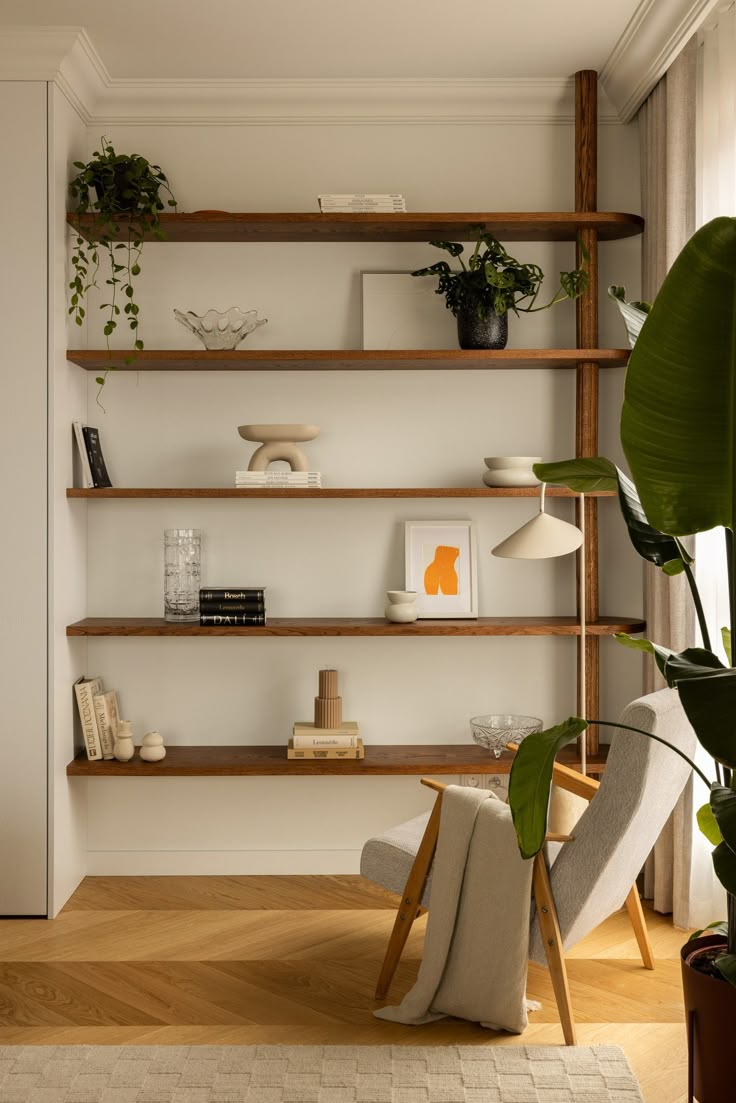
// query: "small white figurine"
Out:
[152,747]
[124,748]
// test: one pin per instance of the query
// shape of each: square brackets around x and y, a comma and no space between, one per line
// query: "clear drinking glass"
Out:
[182,573]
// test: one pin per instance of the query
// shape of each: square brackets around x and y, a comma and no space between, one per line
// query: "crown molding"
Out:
[67,57]
[653,38]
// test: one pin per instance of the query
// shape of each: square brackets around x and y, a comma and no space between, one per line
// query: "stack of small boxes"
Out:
[328,736]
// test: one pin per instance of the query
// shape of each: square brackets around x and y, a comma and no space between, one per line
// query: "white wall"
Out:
[332,558]
[23,666]
[67,527]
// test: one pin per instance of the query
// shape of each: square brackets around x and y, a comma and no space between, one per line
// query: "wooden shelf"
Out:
[415,226]
[442,758]
[329,492]
[358,626]
[341,359]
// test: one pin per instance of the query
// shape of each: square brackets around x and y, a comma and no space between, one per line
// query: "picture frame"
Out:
[441,565]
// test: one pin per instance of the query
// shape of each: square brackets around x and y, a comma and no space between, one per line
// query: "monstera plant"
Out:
[678,431]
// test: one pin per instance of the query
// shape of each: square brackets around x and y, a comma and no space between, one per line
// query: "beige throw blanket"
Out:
[476,947]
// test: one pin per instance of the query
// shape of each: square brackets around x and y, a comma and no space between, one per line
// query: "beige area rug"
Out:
[315,1074]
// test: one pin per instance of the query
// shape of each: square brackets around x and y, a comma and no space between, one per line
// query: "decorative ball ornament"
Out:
[152,748]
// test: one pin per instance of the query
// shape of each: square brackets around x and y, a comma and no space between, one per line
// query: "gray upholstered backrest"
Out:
[593,874]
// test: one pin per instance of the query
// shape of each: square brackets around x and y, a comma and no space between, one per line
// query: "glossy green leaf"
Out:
[723,806]
[693,662]
[726,965]
[720,926]
[661,654]
[530,782]
[726,637]
[597,473]
[678,424]
[710,704]
[709,825]
[724,863]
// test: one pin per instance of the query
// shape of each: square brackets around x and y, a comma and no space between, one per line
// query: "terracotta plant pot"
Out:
[710,1007]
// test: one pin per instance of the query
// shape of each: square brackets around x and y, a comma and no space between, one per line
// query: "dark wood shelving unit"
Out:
[328,492]
[359,626]
[386,759]
[415,226]
[250,359]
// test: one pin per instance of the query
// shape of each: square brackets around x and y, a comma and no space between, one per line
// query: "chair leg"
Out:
[550,928]
[636,915]
[410,906]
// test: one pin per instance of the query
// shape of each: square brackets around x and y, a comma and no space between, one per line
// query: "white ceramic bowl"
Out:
[511,471]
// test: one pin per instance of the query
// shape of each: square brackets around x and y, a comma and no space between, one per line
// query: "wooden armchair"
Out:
[595,872]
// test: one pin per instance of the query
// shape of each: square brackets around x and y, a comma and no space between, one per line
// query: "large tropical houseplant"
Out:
[678,431]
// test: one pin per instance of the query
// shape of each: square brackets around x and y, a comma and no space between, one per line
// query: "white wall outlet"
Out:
[474,781]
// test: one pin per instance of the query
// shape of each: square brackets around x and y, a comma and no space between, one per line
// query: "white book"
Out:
[362,195]
[304,742]
[108,719]
[85,690]
[362,208]
[87,480]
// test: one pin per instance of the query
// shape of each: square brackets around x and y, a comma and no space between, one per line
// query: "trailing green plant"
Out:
[678,431]
[495,282]
[124,193]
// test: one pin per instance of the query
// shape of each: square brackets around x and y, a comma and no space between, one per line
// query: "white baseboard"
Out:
[223,863]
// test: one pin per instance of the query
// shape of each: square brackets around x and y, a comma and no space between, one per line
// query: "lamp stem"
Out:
[583,663]
[541,497]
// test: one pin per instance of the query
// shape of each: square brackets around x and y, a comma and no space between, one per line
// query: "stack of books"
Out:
[277,478]
[310,742]
[362,203]
[232,606]
[100,716]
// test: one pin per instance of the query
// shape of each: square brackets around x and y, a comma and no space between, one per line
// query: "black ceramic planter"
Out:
[710,1007]
[474,332]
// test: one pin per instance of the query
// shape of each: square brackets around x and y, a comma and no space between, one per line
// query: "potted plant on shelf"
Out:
[126,193]
[678,431]
[492,283]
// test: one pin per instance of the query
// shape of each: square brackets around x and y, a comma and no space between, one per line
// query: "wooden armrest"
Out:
[551,836]
[570,780]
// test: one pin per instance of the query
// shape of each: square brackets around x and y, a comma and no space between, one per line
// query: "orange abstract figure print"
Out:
[441,576]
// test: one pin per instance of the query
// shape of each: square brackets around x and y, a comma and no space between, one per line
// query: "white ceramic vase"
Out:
[402,607]
[152,747]
[124,748]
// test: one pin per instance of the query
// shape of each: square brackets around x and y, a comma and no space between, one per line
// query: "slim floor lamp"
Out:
[545,537]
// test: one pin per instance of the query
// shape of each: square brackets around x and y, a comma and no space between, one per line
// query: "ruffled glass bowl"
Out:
[495,731]
[218,330]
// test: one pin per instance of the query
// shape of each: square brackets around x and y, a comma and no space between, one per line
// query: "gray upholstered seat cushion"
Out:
[387,859]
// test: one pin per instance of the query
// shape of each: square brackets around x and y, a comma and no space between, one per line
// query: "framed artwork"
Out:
[441,565]
[403,312]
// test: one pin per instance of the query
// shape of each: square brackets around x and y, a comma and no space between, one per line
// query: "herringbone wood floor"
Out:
[245,960]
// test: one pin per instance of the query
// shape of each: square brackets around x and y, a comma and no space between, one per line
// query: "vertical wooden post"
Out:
[586,427]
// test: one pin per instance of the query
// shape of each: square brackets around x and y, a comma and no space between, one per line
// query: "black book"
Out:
[234,593]
[239,620]
[252,605]
[100,476]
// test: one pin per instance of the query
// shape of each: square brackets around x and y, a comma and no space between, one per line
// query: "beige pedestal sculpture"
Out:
[278,442]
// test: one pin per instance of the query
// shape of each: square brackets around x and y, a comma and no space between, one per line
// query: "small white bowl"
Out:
[511,471]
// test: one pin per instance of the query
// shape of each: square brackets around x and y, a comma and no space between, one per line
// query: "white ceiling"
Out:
[338,38]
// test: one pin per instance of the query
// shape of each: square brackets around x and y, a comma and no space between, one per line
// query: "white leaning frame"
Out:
[434,573]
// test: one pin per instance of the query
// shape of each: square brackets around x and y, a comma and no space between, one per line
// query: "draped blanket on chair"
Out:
[476,946]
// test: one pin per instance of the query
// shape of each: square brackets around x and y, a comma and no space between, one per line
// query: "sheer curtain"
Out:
[667,127]
[716,195]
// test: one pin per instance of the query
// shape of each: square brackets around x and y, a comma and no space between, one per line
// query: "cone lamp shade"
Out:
[544,537]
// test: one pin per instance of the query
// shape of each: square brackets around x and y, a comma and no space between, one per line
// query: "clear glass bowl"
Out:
[496,730]
[221,329]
